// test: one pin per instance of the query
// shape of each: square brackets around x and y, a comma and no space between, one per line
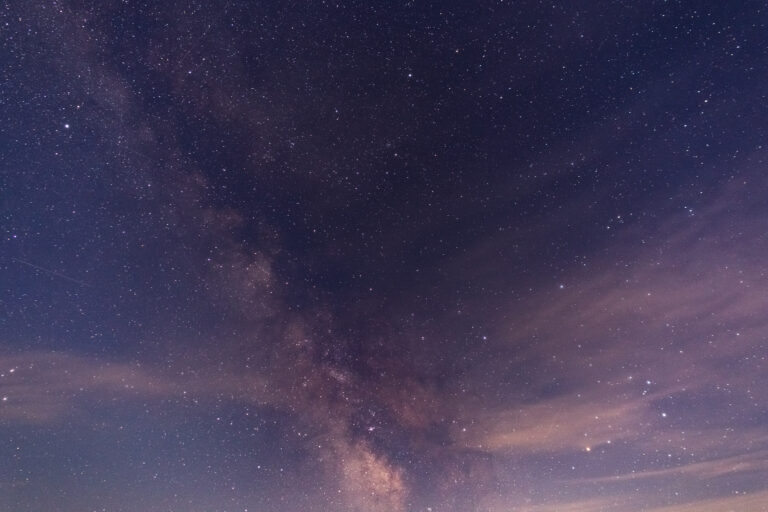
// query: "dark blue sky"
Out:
[376,256]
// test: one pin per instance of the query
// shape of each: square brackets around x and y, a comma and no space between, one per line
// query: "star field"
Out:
[383,257]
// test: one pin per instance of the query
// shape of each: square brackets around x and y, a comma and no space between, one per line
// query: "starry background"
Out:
[366,256]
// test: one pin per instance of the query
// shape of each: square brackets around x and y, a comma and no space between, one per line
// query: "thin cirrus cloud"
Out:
[43,387]
[754,502]
[750,462]
[657,356]
[742,503]
[565,424]
[46,387]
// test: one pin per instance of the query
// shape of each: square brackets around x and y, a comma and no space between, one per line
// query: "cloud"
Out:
[709,469]
[654,345]
[680,304]
[38,387]
[570,423]
[741,502]
[519,505]
[45,387]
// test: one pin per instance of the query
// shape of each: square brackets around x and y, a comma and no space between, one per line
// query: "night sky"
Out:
[365,256]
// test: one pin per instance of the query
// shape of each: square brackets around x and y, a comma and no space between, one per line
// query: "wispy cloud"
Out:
[651,355]
[580,505]
[570,423]
[44,387]
[741,502]
[748,462]
[40,387]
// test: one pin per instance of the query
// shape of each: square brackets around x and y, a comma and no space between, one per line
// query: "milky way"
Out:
[383,256]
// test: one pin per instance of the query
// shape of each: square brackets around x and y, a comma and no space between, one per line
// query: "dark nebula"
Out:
[363,256]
